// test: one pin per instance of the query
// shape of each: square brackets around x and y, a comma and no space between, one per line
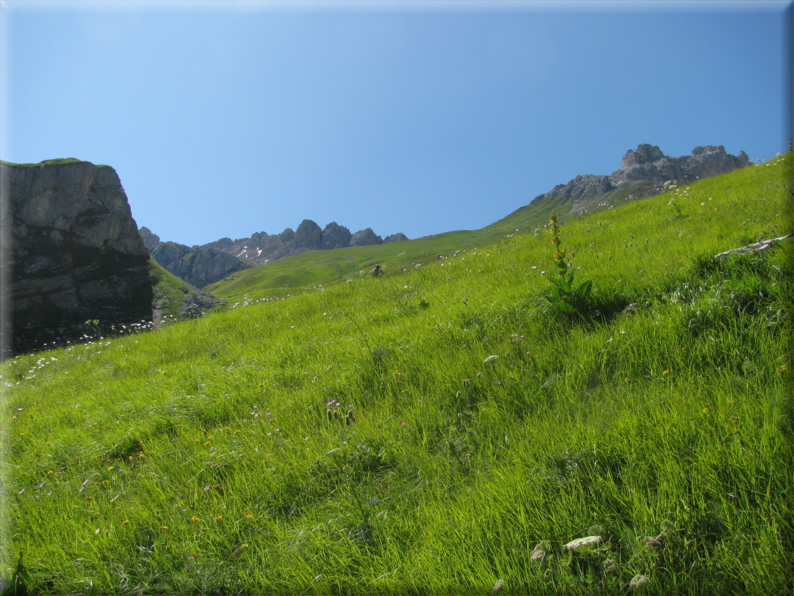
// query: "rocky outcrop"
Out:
[71,252]
[335,236]
[198,267]
[644,172]
[150,240]
[398,237]
[262,248]
[365,238]
[649,163]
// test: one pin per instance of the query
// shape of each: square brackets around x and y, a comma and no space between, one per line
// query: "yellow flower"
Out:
[560,254]
[665,373]
[556,241]
[219,517]
[249,516]
[125,523]
[195,520]
[110,469]
[706,410]
[553,218]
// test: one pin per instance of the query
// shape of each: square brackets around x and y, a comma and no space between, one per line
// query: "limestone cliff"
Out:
[71,253]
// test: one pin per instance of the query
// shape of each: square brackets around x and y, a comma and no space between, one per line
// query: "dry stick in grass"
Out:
[751,248]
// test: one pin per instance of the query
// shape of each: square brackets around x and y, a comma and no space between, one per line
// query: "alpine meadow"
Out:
[443,428]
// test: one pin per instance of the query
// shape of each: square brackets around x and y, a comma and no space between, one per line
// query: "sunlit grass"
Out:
[424,432]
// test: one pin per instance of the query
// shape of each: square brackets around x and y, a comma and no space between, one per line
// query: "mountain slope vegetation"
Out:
[439,429]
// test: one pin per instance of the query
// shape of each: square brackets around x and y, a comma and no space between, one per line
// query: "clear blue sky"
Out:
[225,119]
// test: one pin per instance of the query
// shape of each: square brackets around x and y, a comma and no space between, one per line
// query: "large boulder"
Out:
[71,252]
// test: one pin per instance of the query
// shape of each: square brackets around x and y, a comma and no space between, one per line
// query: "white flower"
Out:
[490,359]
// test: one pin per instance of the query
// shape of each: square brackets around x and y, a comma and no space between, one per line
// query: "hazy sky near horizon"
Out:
[226,119]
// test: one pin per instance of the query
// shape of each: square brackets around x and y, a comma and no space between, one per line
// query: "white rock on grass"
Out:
[580,543]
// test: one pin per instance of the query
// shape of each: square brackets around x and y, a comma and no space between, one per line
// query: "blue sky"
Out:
[225,119]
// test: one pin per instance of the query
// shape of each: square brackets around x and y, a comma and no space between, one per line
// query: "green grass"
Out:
[49,162]
[210,457]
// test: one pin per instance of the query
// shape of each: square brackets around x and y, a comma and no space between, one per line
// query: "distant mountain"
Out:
[199,267]
[262,248]
[642,173]
[202,265]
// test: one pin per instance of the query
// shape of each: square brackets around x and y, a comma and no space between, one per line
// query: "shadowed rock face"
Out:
[71,251]
[199,268]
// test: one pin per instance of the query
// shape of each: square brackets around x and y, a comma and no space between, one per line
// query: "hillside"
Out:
[643,173]
[440,429]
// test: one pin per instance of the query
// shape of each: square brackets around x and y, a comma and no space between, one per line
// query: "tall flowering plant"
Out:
[566,298]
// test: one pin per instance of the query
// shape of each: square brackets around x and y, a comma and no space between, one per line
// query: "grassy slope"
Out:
[168,294]
[211,457]
[301,272]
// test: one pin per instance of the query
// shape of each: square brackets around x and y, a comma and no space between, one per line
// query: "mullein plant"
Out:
[566,299]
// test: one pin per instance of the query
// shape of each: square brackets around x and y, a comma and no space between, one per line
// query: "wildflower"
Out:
[125,523]
[110,469]
[163,527]
[404,424]
[490,359]
[218,517]
[195,520]
[706,410]
[665,373]
[609,565]
[248,515]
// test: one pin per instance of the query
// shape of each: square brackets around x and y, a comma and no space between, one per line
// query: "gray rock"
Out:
[262,248]
[365,238]
[150,240]
[199,267]
[644,172]
[308,235]
[71,251]
[398,237]
[335,236]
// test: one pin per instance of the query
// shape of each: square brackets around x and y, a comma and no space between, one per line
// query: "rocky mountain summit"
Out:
[642,173]
[262,248]
[71,253]
[205,264]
